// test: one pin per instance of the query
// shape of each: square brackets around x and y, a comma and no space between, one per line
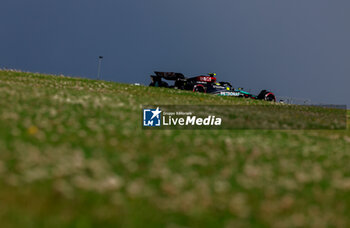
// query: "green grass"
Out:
[73,154]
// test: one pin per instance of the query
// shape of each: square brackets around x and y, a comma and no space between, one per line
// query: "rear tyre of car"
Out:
[199,89]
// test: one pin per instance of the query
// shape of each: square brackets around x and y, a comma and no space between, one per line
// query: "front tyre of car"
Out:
[270,97]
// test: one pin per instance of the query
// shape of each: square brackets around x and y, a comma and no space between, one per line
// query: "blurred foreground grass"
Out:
[73,154]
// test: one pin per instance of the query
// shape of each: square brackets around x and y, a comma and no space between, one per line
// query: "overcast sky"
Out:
[297,48]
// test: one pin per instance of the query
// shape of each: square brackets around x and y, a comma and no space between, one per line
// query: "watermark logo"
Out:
[207,117]
[151,117]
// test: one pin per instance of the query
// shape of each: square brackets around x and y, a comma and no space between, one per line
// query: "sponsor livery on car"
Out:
[230,94]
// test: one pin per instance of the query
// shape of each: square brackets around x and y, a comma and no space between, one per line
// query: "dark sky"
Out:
[297,48]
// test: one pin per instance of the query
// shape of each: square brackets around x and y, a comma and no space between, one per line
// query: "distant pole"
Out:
[99,67]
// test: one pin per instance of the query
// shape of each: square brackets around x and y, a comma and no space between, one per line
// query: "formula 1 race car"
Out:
[205,84]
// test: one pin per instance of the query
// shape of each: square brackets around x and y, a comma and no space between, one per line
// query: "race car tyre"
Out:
[262,94]
[266,95]
[199,88]
[270,97]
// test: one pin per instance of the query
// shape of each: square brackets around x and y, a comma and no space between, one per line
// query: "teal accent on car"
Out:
[244,92]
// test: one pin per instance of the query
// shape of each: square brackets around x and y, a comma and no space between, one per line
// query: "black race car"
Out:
[205,84]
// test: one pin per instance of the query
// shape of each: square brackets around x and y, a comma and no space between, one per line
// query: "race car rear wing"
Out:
[169,75]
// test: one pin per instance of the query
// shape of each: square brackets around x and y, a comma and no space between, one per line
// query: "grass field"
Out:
[73,154]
